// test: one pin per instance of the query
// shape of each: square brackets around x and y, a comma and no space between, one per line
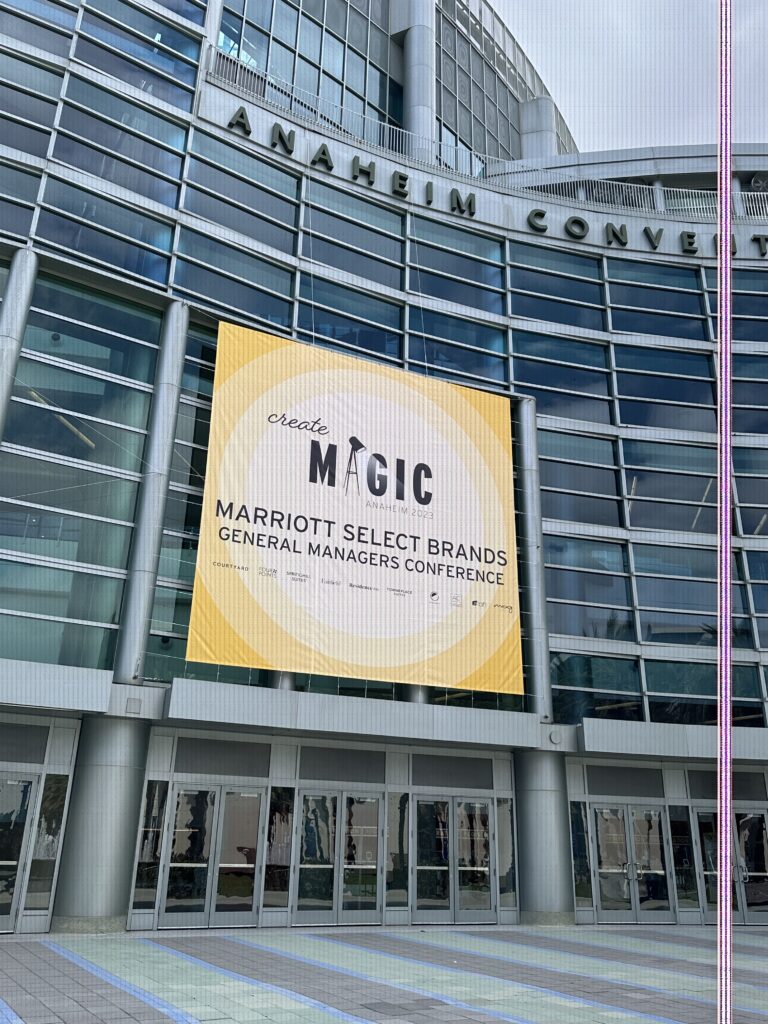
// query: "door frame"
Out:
[632,870]
[741,876]
[336,914]
[209,917]
[454,914]
[24,862]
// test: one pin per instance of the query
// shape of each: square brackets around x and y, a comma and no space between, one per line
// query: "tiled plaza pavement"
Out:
[610,975]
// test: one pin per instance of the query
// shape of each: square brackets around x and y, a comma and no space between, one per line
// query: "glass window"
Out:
[671,389]
[456,291]
[351,332]
[277,871]
[67,487]
[597,588]
[684,458]
[30,76]
[582,875]
[452,328]
[223,211]
[309,39]
[654,273]
[506,830]
[598,623]
[555,403]
[108,214]
[593,673]
[70,151]
[670,593]
[580,509]
[47,843]
[56,642]
[658,323]
[101,247]
[578,477]
[134,74]
[547,284]
[644,484]
[653,298]
[655,360]
[322,251]
[696,630]
[159,31]
[245,193]
[561,350]
[565,377]
[31,530]
[96,309]
[353,302]
[459,266]
[676,561]
[683,711]
[398,832]
[451,358]
[554,259]
[454,238]
[235,261]
[29,108]
[576,447]
[248,167]
[753,366]
[129,115]
[569,707]
[558,312]
[675,417]
[150,842]
[757,562]
[34,33]
[225,291]
[342,230]
[585,554]
[59,592]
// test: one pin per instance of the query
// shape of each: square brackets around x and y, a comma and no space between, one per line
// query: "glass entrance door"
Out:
[706,834]
[16,803]
[454,868]
[213,857]
[751,866]
[340,858]
[632,861]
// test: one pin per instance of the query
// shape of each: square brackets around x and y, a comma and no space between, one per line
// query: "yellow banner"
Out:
[358,521]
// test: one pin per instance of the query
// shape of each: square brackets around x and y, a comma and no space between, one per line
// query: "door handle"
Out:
[744,873]
[639,871]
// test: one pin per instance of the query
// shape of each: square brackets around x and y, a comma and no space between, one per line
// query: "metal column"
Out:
[13,321]
[100,837]
[419,77]
[533,605]
[142,572]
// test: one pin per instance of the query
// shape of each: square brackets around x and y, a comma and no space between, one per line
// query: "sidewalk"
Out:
[608,975]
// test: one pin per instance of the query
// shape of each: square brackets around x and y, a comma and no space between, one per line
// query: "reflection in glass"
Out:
[474,856]
[47,842]
[582,878]
[612,859]
[15,796]
[317,853]
[650,860]
[190,852]
[506,831]
[752,838]
[237,852]
[707,825]
[148,866]
[682,857]
[432,864]
[397,850]
[279,830]
[361,846]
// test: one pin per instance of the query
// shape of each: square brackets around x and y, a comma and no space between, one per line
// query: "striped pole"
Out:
[725,844]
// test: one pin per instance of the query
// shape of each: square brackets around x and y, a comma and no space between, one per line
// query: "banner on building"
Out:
[358,520]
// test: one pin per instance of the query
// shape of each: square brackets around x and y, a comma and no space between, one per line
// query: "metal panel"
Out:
[746,785]
[335,763]
[613,780]
[465,773]
[218,757]
[23,744]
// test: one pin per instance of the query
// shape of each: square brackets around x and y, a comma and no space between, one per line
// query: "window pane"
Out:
[554,259]
[655,360]
[685,458]
[658,323]
[558,312]
[576,447]
[653,273]
[597,588]
[599,623]
[57,643]
[562,350]
[594,673]
[585,554]
[546,284]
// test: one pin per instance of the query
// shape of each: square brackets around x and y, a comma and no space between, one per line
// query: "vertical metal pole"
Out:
[148,531]
[725,845]
[13,322]
[534,605]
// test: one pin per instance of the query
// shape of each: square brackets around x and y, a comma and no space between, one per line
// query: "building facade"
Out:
[392,181]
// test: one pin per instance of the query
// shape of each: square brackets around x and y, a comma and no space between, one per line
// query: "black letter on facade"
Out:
[762,241]
[576,227]
[654,237]
[240,120]
[322,156]
[399,183]
[615,234]
[369,170]
[536,221]
[324,466]
[279,138]
[688,242]
[459,205]
[421,472]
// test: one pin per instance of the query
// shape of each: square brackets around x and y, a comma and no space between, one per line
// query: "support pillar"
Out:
[658,195]
[13,322]
[100,837]
[419,78]
[282,681]
[538,128]
[534,605]
[738,198]
[544,842]
[148,533]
